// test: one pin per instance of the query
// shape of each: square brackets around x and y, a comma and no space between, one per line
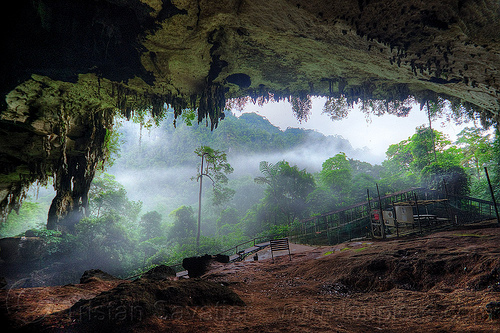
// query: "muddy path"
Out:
[436,283]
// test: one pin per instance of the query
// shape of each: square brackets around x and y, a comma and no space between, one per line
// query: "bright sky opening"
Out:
[374,133]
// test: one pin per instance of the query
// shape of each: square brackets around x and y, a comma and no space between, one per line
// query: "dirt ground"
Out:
[436,283]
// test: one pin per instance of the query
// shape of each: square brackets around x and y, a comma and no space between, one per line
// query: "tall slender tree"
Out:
[214,165]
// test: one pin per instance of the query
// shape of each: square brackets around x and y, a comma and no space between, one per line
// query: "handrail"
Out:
[353,214]
[235,248]
[254,240]
[387,196]
[359,204]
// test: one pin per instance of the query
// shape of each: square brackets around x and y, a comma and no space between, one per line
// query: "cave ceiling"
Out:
[70,66]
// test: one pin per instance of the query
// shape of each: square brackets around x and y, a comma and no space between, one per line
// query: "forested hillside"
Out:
[144,208]
[247,135]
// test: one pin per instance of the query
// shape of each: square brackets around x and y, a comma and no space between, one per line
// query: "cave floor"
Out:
[436,283]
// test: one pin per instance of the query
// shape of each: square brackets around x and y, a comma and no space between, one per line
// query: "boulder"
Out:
[161,272]
[493,309]
[30,233]
[221,258]
[197,266]
[96,275]
[21,249]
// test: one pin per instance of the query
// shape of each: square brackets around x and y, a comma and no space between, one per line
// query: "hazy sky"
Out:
[376,134]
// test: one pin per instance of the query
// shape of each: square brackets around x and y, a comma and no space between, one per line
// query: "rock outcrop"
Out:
[197,266]
[71,66]
[161,272]
[93,275]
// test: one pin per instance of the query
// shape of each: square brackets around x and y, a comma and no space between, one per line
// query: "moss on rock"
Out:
[71,66]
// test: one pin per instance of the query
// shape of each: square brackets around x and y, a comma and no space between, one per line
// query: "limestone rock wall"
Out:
[71,65]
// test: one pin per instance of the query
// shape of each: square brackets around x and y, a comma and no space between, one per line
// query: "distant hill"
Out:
[249,134]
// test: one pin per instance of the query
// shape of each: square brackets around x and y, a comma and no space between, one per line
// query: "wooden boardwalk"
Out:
[241,255]
[355,221]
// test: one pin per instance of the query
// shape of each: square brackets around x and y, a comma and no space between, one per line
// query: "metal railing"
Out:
[178,266]
[235,248]
[354,221]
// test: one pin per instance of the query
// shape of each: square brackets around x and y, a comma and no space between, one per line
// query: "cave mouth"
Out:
[70,203]
[72,174]
[71,67]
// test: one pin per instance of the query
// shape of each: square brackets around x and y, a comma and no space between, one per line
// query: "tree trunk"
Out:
[75,173]
[199,204]
[432,133]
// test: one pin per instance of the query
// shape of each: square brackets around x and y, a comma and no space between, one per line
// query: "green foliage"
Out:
[301,107]
[336,108]
[359,184]
[112,142]
[114,238]
[30,215]
[495,164]
[446,177]
[153,249]
[256,219]
[322,200]
[104,242]
[287,190]
[393,182]
[427,157]
[228,218]
[336,173]
[478,151]
[184,224]
[151,225]
[422,149]
[276,231]
[52,239]
[249,133]
[106,196]
[189,116]
[216,167]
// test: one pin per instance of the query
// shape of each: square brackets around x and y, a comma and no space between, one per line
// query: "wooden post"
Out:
[382,224]
[395,220]
[370,212]
[418,213]
[492,194]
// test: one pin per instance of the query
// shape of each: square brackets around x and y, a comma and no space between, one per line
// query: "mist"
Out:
[153,176]
[157,165]
[309,156]
[143,209]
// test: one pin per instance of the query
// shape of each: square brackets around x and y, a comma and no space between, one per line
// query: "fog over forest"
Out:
[157,164]
[143,208]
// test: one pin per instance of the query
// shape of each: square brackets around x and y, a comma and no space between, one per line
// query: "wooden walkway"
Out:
[355,221]
[241,255]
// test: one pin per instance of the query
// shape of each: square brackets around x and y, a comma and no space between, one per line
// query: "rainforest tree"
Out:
[213,165]
[287,189]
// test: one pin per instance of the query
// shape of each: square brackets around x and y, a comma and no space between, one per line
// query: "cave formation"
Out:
[71,66]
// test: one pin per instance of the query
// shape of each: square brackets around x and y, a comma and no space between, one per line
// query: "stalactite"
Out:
[72,181]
